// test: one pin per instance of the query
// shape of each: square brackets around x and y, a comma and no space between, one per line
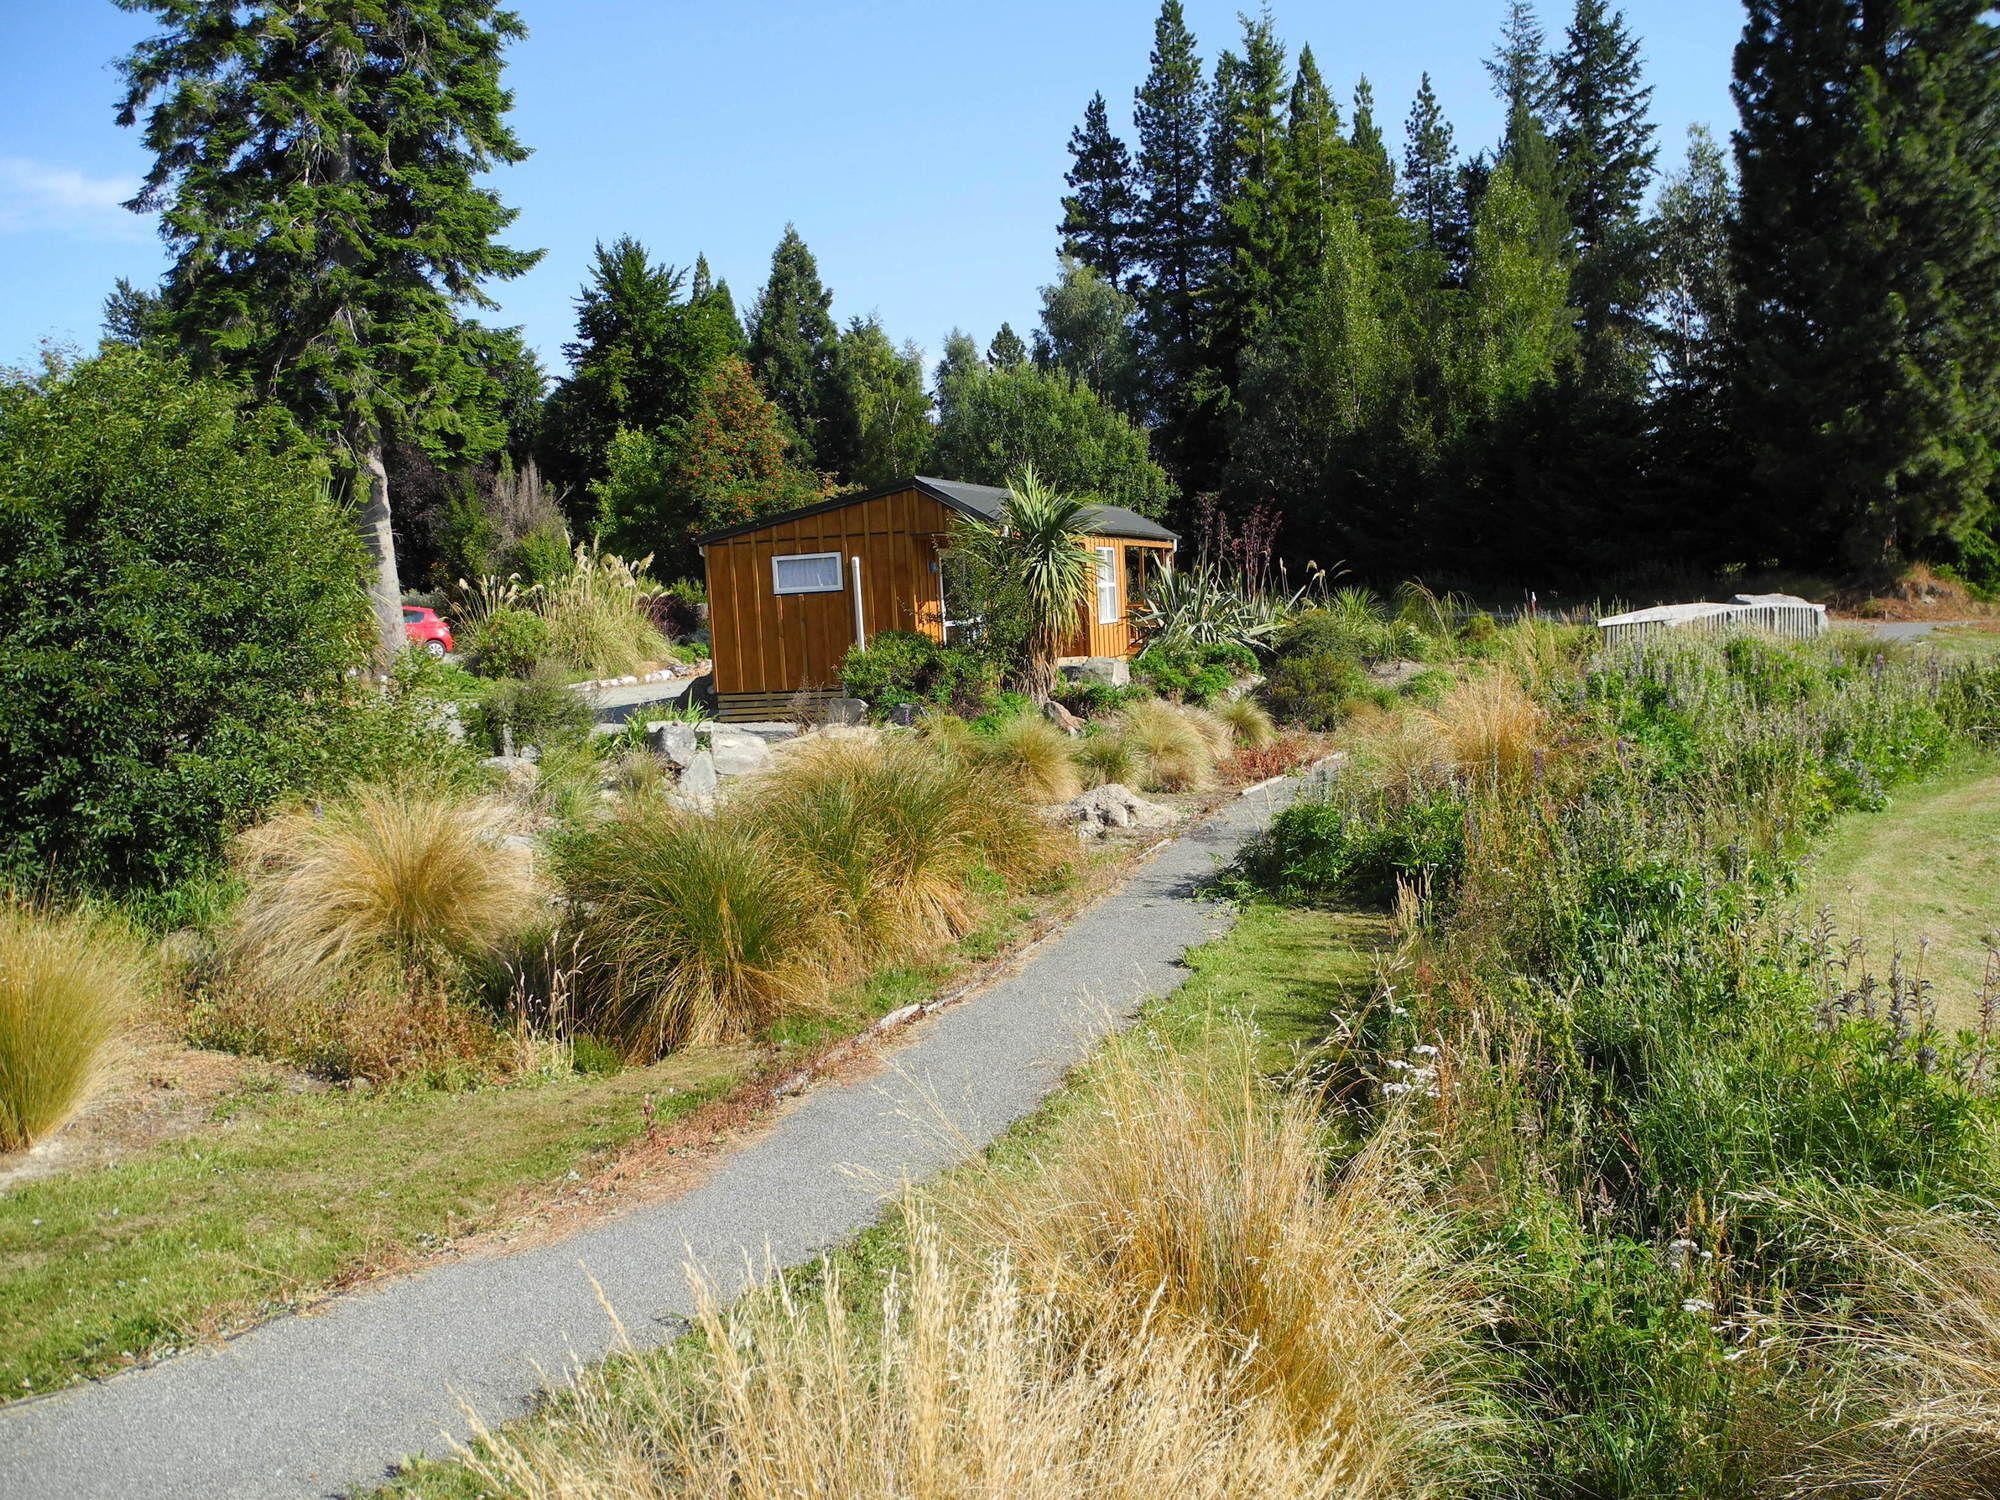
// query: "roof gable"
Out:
[980,501]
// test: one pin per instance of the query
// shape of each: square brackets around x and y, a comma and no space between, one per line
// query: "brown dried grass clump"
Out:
[70,986]
[1171,747]
[1488,726]
[1035,756]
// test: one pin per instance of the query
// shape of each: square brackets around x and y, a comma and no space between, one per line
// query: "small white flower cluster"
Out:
[1744,1331]
[1682,1253]
[1419,1077]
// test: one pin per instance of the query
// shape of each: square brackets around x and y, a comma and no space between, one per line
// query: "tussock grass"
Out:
[1035,756]
[1488,725]
[69,986]
[1188,1197]
[1104,758]
[695,930]
[895,836]
[1215,731]
[391,885]
[596,616]
[1249,725]
[1172,749]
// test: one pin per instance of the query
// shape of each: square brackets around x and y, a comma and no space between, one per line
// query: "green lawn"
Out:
[1928,867]
[1285,971]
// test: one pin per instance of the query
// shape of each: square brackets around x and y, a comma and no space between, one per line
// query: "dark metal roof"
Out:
[980,501]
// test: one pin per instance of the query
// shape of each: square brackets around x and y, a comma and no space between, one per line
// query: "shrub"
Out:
[1195,674]
[1175,756]
[1357,845]
[361,926]
[69,988]
[541,710]
[896,836]
[1249,726]
[179,604]
[1034,756]
[1315,679]
[1094,700]
[906,666]
[694,930]
[1105,757]
[509,641]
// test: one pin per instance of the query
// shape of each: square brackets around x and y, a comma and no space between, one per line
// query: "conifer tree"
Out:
[1868,251]
[1430,174]
[1374,192]
[1519,66]
[1321,169]
[1098,210]
[1007,351]
[1604,141]
[1251,187]
[317,168]
[793,344]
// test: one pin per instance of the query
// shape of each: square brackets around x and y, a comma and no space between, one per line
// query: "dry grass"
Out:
[695,930]
[1175,755]
[1488,726]
[1035,756]
[895,834]
[389,883]
[70,985]
[1191,1199]
[1177,1301]
[1216,732]
[1249,725]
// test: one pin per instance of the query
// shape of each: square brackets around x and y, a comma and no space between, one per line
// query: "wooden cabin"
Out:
[790,594]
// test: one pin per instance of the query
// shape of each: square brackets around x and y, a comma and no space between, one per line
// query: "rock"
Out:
[517,843]
[1104,808]
[1111,671]
[844,711]
[1062,718]
[695,791]
[672,740]
[770,731]
[736,753]
[1393,673]
[517,774]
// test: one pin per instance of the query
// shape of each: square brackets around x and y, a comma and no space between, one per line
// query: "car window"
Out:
[411,616]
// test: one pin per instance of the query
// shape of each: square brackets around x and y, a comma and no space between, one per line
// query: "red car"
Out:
[426,628]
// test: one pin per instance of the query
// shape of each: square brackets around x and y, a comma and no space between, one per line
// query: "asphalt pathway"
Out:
[321,1404]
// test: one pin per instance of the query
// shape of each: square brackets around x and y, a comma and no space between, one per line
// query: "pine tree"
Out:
[1868,250]
[1174,238]
[1530,159]
[1098,209]
[1251,185]
[1519,66]
[1006,352]
[1605,143]
[793,342]
[1321,175]
[316,165]
[1373,190]
[1430,175]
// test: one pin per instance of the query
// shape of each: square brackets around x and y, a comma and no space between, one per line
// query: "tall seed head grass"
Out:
[597,617]
[69,987]
[1172,749]
[389,883]
[695,930]
[1035,756]
[1489,726]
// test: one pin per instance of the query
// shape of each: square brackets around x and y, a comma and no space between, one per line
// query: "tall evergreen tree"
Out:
[1098,210]
[1321,171]
[316,167]
[1174,235]
[1374,192]
[1519,66]
[1007,351]
[793,344]
[1605,142]
[1251,186]
[1868,250]
[1430,175]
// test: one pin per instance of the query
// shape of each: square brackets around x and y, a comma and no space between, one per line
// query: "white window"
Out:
[806,573]
[1107,585]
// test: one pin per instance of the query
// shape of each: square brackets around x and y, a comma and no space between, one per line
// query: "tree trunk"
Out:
[385,588]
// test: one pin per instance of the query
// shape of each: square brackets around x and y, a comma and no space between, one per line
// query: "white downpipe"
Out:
[860,625]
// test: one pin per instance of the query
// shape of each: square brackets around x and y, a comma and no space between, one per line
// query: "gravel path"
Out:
[317,1405]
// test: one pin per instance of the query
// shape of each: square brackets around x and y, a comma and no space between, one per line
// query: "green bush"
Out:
[1095,700]
[905,666]
[180,605]
[542,555]
[1191,673]
[541,710]
[1356,847]
[1315,691]
[509,641]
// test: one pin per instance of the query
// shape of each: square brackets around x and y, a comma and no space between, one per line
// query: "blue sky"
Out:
[919,147]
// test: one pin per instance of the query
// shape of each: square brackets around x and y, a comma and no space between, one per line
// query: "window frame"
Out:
[838,586]
[1107,572]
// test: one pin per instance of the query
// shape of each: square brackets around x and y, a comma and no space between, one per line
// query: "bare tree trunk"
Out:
[385,588]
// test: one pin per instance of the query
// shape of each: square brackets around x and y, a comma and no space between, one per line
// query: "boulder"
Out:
[1062,718]
[736,753]
[1113,805]
[695,791]
[844,711]
[770,731]
[517,774]
[1110,671]
[673,740]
